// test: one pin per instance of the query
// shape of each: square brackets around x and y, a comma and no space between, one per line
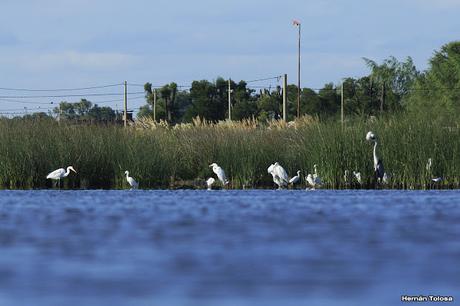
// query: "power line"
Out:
[265,79]
[70,95]
[26,109]
[158,86]
[262,87]
[59,89]
[23,102]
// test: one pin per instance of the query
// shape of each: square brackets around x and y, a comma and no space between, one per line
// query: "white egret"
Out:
[316,176]
[271,171]
[310,181]
[378,163]
[132,182]
[220,173]
[209,182]
[386,178]
[295,179]
[60,173]
[346,176]
[313,179]
[430,172]
[279,175]
[428,165]
[357,176]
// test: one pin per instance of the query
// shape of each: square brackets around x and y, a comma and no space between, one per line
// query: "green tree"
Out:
[168,94]
[244,104]
[65,110]
[145,111]
[101,114]
[393,80]
[269,105]
[82,108]
[329,101]
[206,101]
[437,89]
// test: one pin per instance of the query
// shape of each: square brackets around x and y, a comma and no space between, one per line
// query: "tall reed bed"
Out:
[160,156]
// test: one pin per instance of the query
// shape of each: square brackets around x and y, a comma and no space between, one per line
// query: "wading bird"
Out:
[279,175]
[316,176]
[357,176]
[428,165]
[313,179]
[132,182]
[209,182]
[220,173]
[295,179]
[428,169]
[60,173]
[346,177]
[378,163]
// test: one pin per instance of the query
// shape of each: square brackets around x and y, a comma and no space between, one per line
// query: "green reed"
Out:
[179,157]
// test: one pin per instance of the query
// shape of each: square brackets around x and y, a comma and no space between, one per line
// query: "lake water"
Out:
[227,247]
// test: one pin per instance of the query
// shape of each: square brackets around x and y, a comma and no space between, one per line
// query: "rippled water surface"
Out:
[227,247]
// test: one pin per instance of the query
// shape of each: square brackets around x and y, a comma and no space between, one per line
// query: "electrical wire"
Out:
[60,89]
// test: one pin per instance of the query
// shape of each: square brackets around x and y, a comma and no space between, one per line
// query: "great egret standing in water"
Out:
[209,182]
[378,163]
[279,175]
[60,173]
[132,182]
[346,177]
[428,169]
[313,179]
[357,176]
[295,179]
[220,173]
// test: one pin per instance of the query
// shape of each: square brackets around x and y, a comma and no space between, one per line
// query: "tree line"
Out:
[391,86]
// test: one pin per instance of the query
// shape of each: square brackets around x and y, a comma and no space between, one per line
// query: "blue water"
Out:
[227,247]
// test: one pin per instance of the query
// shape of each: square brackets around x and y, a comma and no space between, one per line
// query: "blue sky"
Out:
[80,43]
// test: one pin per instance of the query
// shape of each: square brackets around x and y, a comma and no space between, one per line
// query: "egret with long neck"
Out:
[60,173]
[378,163]
[131,181]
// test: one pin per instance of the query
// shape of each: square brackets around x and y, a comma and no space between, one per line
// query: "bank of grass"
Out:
[160,156]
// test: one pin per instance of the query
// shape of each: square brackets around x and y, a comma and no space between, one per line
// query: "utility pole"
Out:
[125,116]
[154,105]
[382,99]
[297,23]
[229,100]
[341,103]
[285,97]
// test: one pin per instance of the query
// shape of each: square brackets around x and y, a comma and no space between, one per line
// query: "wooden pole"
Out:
[341,103]
[125,115]
[229,100]
[285,97]
[155,105]
[382,98]
[298,78]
